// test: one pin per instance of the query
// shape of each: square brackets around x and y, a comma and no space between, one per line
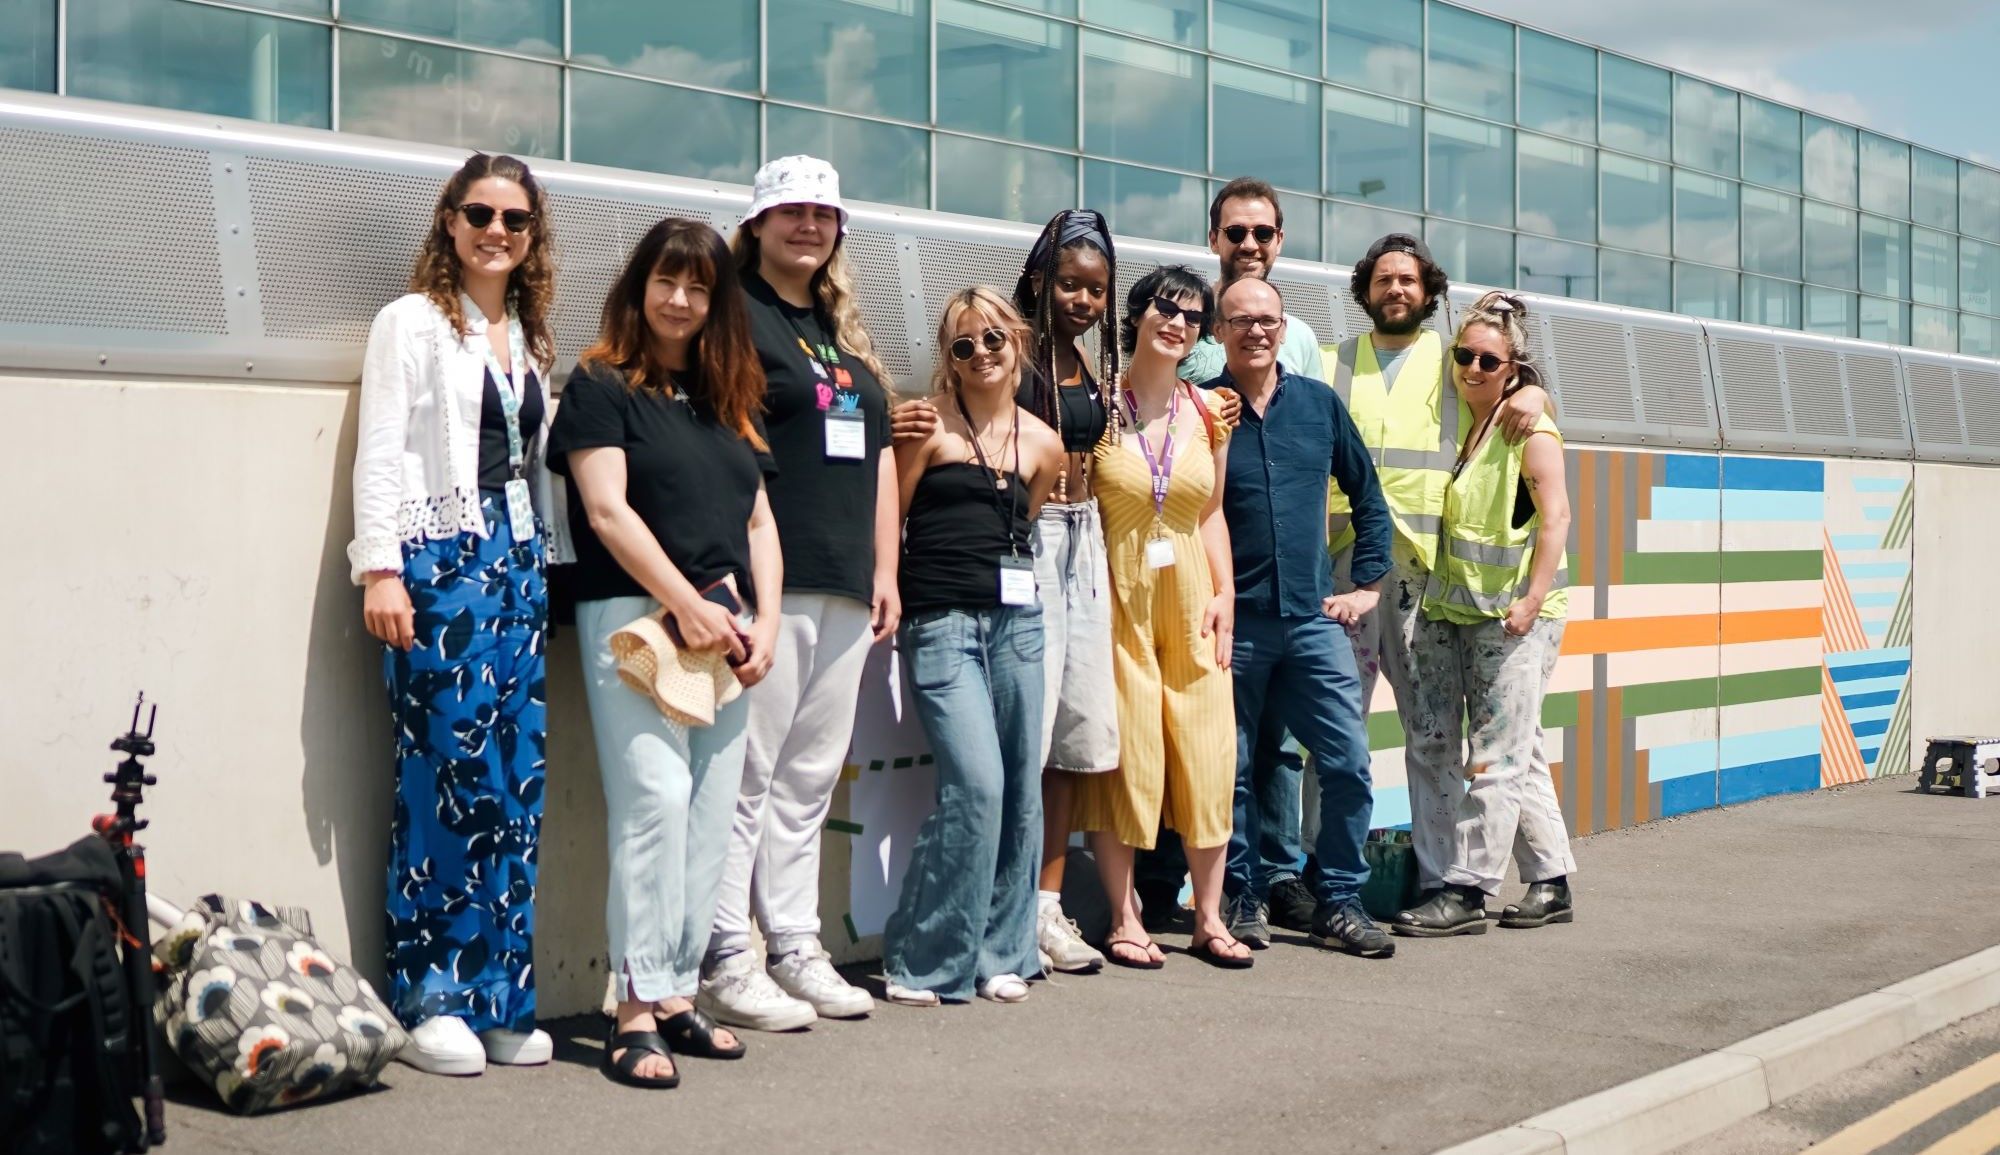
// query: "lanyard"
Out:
[511,385]
[1161,469]
[1008,512]
[824,350]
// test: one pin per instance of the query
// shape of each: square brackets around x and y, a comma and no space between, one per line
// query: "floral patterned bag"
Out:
[253,1005]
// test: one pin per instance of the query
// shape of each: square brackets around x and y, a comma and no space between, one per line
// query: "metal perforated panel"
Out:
[334,244]
[1592,371]
[1934,405]
[593,240]
[1753,399]
[871,257]
[951,265]
[1309,302]
[108,234]
[1819,399]
[1979,397]
[1875,398]
[1674,390]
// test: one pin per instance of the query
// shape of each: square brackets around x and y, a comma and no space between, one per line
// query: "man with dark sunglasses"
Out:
[1394,380]
[1293,665]
[1246,232]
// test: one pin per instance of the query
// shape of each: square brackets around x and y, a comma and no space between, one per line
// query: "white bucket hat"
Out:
[796,180]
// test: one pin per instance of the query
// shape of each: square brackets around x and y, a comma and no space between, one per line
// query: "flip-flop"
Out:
[1205,951]
[1151,964]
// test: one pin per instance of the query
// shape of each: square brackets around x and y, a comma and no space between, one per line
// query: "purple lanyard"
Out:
[1162,469]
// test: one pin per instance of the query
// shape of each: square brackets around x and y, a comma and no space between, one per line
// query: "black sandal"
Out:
[637,1045]
[1206,952]
[693,1033]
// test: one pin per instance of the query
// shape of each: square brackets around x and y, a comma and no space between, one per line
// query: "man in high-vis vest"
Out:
[1393,380]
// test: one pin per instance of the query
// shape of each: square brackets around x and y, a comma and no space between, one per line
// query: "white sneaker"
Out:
[738,993]
[807,974]
[517,1048]
[1062,943]
[444,1045]
[1004,989]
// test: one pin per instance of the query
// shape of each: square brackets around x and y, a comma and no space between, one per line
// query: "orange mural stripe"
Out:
[1643,462]
[1614,754]
[1842,620]
[1841,761]
[1585,736]
[1642,786]
[1585,551]
[1616,554]
[1623,635]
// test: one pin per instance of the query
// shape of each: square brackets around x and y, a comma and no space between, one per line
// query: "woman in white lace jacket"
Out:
[450,492]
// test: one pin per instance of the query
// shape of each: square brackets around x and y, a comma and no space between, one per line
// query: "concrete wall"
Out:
[188,538]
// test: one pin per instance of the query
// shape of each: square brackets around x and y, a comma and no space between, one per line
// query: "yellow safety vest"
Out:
[1486,560]
[1412,436]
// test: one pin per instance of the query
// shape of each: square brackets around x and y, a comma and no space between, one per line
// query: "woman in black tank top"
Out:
[971,647]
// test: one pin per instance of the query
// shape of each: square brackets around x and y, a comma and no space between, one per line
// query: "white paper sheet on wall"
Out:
[894,793]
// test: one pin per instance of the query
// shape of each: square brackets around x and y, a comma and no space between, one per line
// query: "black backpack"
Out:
[68,1031]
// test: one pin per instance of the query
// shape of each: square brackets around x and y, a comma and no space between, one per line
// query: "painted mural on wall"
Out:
[1739,627]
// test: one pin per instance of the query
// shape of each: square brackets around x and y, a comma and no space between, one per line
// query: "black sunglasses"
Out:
[1167,310]
[479,216]
[1263,233]
[1487,361]
[993,339]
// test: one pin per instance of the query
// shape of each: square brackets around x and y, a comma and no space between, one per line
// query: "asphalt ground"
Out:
[1692,933]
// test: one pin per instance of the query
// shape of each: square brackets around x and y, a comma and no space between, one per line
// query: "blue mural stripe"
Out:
[1862,571]
[1876,630]
[1684,472]
[1872,670]
[1682,795]
[1856,540]
[1392,807]
[1773,474]
[1870,726]
[1769,746]
[1880,484]
[1773,505]
[1671,504]
[1875,598]
[1781,776]
[1870,685]
[1664,763]
[1877,512]
[1871,713]
[1853,702]
[1837,661]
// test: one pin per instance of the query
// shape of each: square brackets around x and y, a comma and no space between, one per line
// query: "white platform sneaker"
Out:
[444,1045]
[517,1048]
[807,974]
[738,993]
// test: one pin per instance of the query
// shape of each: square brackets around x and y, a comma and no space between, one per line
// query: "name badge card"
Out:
[1159,553]
[1017,581]
[520,510]
[846,436]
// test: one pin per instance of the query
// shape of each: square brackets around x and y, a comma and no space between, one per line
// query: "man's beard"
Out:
[1413,319]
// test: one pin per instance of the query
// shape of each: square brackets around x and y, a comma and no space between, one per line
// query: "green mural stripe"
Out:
[1894,757]
[1385,730]
[853,935]
[1706,693]
[1899,622]
[1756,565]
[1903,521]
[1669,697]
[843,826]
[1559,710]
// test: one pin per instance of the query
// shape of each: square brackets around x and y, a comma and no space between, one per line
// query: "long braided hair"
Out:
[1034,298]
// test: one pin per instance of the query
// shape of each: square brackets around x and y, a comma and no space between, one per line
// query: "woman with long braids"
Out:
[450,493]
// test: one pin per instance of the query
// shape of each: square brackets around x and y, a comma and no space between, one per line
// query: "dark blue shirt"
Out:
[1274,498]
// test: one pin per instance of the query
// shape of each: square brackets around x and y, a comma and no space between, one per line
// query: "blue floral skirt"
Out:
[471,713]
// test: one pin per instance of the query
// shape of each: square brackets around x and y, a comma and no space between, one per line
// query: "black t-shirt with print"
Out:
[825,506]
[692,481]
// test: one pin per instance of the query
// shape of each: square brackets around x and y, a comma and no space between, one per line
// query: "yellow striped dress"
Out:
[1176,709]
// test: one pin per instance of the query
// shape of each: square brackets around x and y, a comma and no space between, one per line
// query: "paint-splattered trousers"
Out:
[1481,679]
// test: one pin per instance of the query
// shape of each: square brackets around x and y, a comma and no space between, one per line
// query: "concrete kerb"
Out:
[1669,1108]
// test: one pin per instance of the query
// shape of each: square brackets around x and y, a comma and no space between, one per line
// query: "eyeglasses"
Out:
[1245,324]
[1167,310]
[993,339]
[479,216]
[1487,361]
[1263,233]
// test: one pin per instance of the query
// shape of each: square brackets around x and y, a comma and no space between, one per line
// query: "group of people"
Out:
[1080,546]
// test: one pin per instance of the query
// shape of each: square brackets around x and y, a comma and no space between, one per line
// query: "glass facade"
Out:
[1529,160]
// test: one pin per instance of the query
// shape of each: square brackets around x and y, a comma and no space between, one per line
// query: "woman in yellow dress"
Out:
[1159,473]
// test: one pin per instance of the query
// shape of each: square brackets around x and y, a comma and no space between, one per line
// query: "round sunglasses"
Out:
[1487,361]
[1168,310]
[1263,233]
[480,216]
[993,339]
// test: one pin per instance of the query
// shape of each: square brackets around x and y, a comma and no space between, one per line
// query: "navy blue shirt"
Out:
[1274,498]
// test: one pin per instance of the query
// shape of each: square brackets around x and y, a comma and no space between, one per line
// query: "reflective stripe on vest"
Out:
[1412,436]
[1487,562]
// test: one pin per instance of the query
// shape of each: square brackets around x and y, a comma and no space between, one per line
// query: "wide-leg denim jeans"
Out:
[967,911]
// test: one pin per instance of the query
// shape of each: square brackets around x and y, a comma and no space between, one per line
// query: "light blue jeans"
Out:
[967,911]
[669,800]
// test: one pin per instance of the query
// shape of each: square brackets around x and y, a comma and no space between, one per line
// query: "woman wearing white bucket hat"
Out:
[834,498]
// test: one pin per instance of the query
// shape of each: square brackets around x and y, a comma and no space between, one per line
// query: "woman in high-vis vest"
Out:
[1493,613]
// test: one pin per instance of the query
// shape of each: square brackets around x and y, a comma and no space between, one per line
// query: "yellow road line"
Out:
[1978,1137]
[1908,1113]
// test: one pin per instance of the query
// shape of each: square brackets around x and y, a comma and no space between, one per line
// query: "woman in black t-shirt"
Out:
[835,502]
[658,432]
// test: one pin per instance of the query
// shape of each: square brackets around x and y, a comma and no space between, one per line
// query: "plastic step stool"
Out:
[1964,756]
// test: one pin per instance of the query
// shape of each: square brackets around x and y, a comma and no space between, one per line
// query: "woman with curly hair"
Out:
[449,494]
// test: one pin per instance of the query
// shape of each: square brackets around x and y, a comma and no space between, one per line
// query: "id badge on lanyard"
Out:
[1017,581]
[846,436]
[512,387]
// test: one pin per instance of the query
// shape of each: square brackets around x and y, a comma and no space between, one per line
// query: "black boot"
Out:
[1292,905]
[1445,912]
[1545,902]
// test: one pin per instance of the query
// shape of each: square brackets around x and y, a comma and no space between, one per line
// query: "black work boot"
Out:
[1292,905]
[1345,926]
[1545,902]
[1444,912]
[1159,905]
